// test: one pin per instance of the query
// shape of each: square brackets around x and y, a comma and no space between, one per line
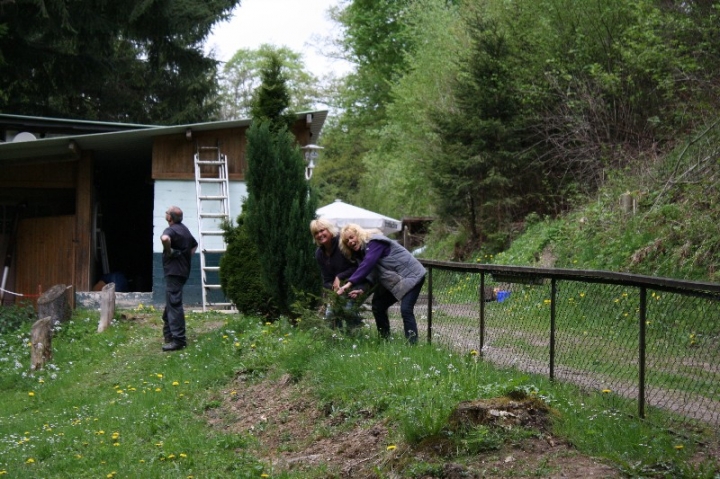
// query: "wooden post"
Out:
[627,203]
[55,304]
[107,306]
[41,338]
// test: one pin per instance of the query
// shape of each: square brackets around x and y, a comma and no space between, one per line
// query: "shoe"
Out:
[172,346]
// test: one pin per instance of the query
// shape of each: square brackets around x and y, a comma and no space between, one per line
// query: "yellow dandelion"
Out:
[115,435]
[186,382]
[31,394]
[142,461]
[606,391]
[175,383]
[391,447]
[225,336]
[157,390]
[183,455]
[78,456]
[159,375]
[171,456]
[159,444]
[237,345]
[264,475]
[3,472]
[473,353]
[119,391]
[41,381]
[100,432]
[679,446]
[116,444]
[30,460]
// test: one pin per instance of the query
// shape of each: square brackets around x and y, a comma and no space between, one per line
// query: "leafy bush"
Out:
[241,273]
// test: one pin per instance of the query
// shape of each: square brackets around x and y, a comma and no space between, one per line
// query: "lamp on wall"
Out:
[311,155]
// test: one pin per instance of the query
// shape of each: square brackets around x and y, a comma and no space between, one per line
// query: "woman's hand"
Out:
[341,290]
[336,284]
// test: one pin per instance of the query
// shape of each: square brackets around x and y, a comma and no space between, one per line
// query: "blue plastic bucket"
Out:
[502,296]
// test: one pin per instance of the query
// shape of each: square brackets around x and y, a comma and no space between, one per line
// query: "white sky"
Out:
[300,25]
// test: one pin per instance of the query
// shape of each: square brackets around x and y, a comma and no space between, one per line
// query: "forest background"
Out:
[518,125]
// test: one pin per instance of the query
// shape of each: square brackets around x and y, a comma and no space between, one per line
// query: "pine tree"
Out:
[280,203]
[138,61]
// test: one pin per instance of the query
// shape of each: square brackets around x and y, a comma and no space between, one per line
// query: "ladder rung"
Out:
[213,197]
[214,250]
[225,305]
[212,232]
[212,286]
[208,148]
[211,180]
[213,215]
[210,162]
[211,268]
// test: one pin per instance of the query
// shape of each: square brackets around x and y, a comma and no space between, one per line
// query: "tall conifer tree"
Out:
[280,203]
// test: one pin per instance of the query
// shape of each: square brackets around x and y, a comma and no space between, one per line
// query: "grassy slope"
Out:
[674,230]
[112,405]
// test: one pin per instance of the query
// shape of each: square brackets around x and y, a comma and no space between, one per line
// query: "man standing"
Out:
[178,249]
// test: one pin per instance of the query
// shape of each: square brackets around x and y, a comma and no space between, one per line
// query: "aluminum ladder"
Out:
[213,208]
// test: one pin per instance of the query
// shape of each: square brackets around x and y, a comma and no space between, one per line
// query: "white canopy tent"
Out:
[342,214]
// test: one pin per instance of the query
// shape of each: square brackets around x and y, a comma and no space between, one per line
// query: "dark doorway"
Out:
[124,209]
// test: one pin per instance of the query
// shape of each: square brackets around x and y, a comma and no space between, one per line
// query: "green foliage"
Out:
[241,77]
[15,316]
[241,272]
[271,100]
[138,61]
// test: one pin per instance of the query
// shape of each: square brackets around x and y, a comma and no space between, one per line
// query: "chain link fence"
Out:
[653,340]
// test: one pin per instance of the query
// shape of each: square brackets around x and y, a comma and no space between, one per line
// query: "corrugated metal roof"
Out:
[121,144]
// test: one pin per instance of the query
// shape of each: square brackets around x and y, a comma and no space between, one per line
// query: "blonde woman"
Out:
[400,275]
[334,266]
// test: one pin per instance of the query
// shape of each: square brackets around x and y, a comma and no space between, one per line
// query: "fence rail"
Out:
[656,340]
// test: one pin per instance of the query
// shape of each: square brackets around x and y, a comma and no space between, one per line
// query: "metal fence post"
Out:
[430,304]
[553,294]
[482,312]
[641,349]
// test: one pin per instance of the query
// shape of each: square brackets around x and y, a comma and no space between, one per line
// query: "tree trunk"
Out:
[41,338]
[107,307]
[55,304]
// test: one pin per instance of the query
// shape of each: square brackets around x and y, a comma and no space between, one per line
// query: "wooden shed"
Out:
[84,201]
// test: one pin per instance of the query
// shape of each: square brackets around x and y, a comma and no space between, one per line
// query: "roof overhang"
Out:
[117,145]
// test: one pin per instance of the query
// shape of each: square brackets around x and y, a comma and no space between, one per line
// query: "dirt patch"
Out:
[295,432]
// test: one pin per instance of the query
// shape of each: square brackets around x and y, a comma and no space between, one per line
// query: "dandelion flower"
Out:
[473,352]
[264,475]
[679,446]
[29,460]
[31,394]
[391,447]
[606,391]
[157,390]
[183,455]
[175,383]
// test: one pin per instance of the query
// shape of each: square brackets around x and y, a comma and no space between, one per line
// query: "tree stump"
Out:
[41,339]
[107,307]
[55,304]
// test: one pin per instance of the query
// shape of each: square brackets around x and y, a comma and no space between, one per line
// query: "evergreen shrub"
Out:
[241,273]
